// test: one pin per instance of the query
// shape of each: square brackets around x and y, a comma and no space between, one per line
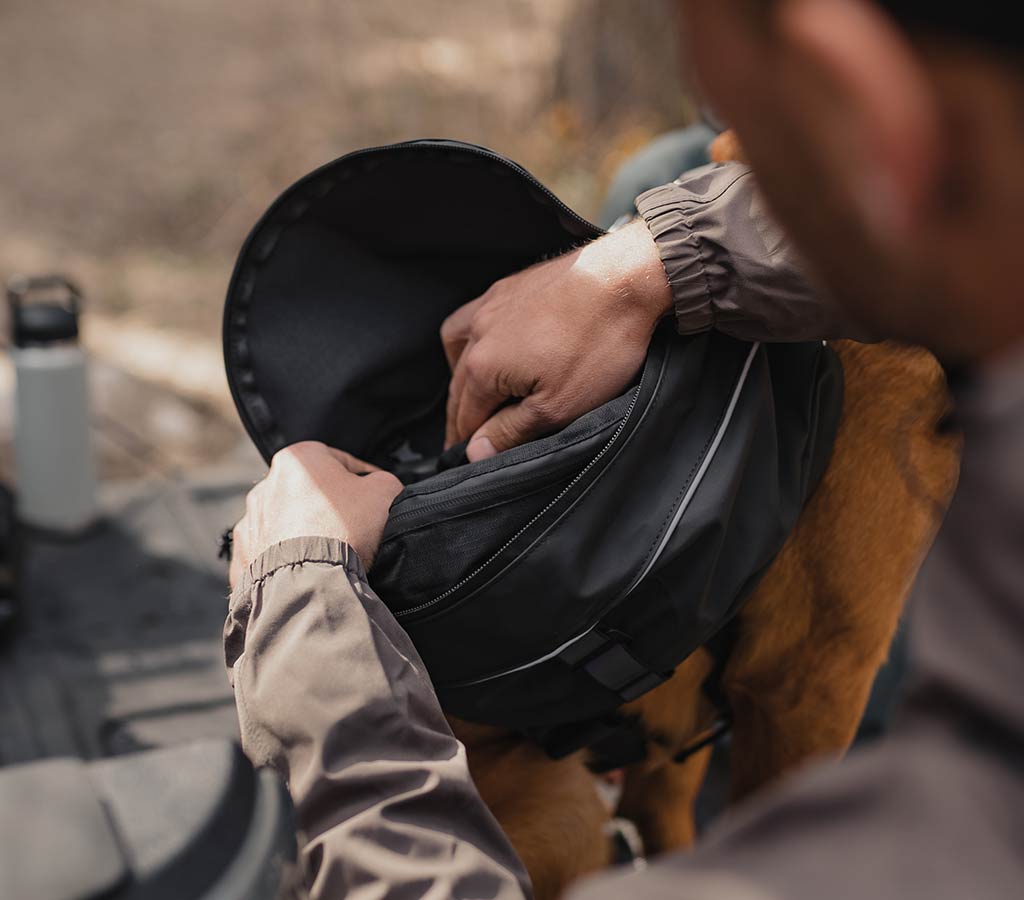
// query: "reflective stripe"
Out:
[704,466]
[529,665]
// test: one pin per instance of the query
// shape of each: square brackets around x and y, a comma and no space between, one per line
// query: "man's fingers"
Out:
[478,403]
[457,340]
[386,483]
[455,331]
[455,389]
[454,346]
[352,463]
[508,427]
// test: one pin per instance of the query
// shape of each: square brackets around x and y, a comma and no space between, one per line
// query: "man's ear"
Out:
[888,152]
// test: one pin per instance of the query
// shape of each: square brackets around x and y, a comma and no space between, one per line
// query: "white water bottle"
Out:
[54,459]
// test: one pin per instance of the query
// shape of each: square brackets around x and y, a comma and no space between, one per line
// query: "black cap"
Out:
[51,319]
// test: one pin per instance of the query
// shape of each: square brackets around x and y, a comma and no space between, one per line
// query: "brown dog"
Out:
[810,640]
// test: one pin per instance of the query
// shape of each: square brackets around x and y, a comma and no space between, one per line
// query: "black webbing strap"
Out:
[717,731]
[563,740]
[624,744]
[604,657]
[720,647]
[619,739]
[616,740]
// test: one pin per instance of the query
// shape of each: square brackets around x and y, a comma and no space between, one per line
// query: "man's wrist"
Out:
[645,281]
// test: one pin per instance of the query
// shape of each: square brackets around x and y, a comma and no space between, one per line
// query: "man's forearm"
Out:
[331,693]
[730,267]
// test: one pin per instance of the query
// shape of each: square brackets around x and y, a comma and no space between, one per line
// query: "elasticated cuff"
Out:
[680,251]
[301,551]
[284,556]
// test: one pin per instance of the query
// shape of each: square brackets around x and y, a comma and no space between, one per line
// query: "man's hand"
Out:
[314,491]
[558,340]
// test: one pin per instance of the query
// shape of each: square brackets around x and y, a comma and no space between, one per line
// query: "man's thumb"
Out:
[509,427]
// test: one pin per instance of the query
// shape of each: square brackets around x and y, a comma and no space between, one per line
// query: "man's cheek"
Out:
[727,52]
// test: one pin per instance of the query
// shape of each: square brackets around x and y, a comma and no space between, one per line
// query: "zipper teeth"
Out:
[459,585]
[538,480]
[482,494]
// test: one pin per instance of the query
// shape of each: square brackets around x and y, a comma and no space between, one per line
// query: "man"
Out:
[887,136]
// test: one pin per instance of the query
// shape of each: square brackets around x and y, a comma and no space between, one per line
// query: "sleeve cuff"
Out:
[681,256]
[285,555]
[301,551]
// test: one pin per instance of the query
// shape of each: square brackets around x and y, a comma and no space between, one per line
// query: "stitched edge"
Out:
[737,386]
[298,551]
[333,563]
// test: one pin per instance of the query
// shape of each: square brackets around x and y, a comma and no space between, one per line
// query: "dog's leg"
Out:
[660,801]
[658,795]
[550,809]
[785,719]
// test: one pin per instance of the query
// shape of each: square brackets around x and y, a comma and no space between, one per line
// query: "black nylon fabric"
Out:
[331,324]
[547,585]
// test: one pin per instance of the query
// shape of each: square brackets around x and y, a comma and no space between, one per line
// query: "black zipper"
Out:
[536,518]
[420,504]
[537,481]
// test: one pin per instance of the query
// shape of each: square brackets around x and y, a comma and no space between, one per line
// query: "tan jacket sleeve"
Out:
[729,264]
[331,693]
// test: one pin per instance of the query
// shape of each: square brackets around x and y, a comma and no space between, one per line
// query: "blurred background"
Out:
[141,141]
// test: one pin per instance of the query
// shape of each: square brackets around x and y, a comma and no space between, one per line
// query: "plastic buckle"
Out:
[604,657]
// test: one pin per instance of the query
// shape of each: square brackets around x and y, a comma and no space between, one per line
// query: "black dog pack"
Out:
[548,585]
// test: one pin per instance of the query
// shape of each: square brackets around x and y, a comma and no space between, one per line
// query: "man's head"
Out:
[889,137]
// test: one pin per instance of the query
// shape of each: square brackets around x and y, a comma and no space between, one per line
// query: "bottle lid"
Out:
[44,310]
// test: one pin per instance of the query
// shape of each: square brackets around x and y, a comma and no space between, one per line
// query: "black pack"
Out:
[547,585]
